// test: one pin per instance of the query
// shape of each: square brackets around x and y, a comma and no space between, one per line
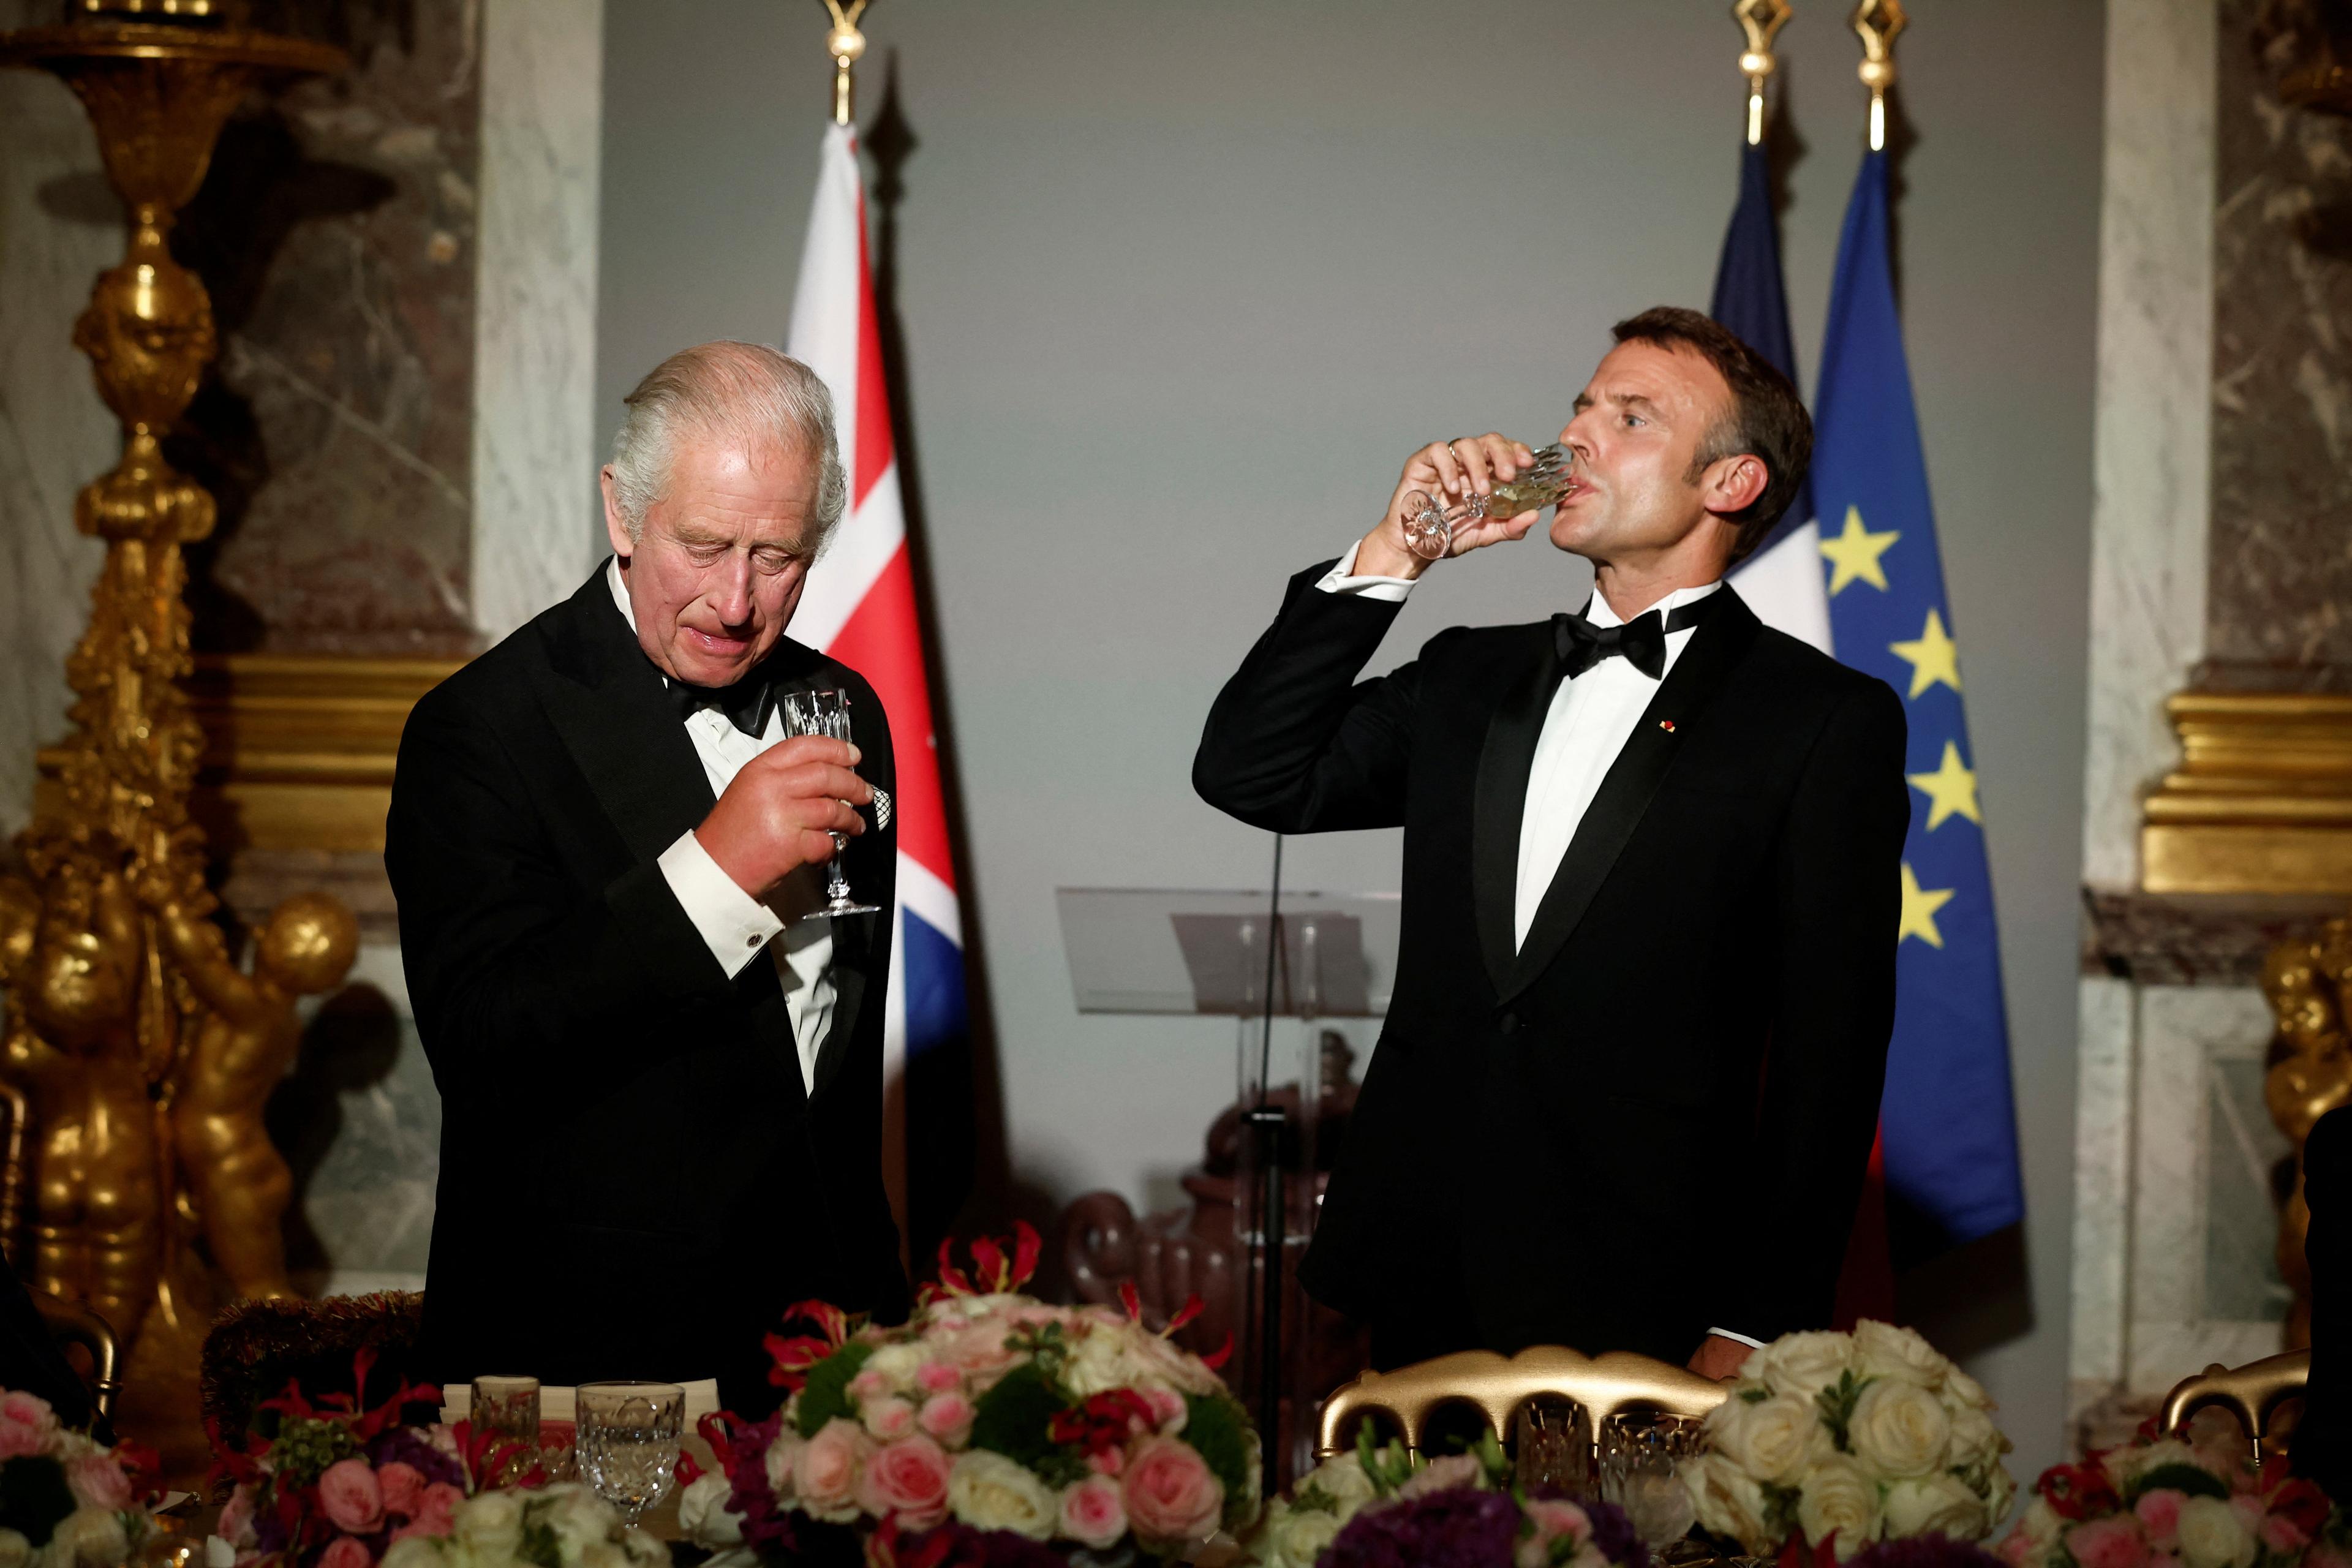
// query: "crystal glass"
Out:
[626,1442]
[507,1407]
[1639,1451]
[1552,1446]
[827,712]
[1429,527]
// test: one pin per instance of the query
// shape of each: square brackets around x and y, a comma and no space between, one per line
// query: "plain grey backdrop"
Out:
[1182,283]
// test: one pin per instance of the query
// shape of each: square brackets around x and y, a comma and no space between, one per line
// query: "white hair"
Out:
[748,395]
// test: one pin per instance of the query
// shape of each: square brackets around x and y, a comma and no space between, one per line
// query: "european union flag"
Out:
[1949,1125]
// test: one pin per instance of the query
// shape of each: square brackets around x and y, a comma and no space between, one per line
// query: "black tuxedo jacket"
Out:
[634,1181]
[2321,1446]
[1653,1119]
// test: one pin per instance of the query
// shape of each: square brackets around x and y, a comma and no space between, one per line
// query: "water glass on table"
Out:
[625,1442]
[1639,1451]
[507,1407]
[1552,1446]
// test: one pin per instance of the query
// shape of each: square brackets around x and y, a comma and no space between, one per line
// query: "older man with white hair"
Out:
[660,1064]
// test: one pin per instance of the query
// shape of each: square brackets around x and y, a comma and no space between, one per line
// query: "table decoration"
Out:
[67,1501]
[1832,1442]
[561,1526]
[334,1482]
[2187,1500]
[989,1428]
[1388,1508]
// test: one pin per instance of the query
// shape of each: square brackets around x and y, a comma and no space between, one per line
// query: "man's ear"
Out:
[1733,484]
[616,530]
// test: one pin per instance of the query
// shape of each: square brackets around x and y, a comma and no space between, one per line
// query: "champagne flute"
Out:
[1548,481]
[626,1440]
[827,712]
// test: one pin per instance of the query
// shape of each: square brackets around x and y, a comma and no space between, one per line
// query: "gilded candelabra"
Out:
[123,1008]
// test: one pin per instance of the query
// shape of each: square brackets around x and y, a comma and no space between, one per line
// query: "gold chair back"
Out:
[1498,1384]
[72,1324]
[2252,1392]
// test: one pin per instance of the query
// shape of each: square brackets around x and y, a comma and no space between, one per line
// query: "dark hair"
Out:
[1767,419]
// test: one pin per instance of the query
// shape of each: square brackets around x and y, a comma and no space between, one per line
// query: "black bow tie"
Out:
[746,703]
[1642,639]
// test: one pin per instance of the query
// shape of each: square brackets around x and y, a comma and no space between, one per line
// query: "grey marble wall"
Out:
[2280,610]
[59,227]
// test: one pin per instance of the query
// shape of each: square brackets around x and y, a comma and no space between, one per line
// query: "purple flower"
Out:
[1613,1534]
[1458,1528]
[1923,1551]
[407,1446]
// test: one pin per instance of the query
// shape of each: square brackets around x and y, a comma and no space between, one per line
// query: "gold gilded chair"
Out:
[70,1324]
[2252,1393]
[1498,1384]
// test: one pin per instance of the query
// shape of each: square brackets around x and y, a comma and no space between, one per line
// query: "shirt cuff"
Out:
[1342,579]
[734,924]
[1743,1338]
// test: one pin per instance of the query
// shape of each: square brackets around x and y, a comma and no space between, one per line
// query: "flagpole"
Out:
[1877,22]
[846,44]
[1759,20]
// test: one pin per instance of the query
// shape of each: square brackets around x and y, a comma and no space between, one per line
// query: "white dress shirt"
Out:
[736,925]
[1590,719]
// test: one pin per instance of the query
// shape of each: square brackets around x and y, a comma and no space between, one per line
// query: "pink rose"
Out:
[1166,1407]
[1170,1495]
[1445,1473]
[2281,1533]
[1093,1514]
[1107,1461]
[343,1552]
[235,1524]
[937,1377]
[2115,1541]
[348,1496]
[27,1424]
[1554,1518]
[439,1507]
[868,1386]
[825,1471]
[2012,1549]
[948,1417]
[403,1489]
[2160,1512]
[98,1481]
[888,1418]
[909,1479]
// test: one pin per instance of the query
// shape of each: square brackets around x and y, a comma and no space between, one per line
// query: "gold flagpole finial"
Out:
[844,44]
[1877,22]
[1759,20]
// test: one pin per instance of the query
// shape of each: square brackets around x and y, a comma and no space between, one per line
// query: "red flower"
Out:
[2079,1491]
[1103,1422]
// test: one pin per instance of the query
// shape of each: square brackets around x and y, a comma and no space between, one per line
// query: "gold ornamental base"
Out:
[2261,801]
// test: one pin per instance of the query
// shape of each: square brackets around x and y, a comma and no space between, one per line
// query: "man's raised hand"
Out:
[1447,472]
[781,810]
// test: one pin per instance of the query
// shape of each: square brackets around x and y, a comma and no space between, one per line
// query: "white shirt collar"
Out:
[1599,612]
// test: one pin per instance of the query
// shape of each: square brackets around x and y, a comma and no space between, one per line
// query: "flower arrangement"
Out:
[66,1501]
[336,1483]
[991,1427]
[563,1526]
[1383,1508]
[1841,1440]
[2176,1502]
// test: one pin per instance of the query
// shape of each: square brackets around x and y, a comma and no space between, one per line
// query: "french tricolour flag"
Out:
[859,606]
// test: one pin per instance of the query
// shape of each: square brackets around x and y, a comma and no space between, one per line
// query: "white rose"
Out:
[491,1524]
[600,1554]
[1095,1365]
[576,1513]
[703,1514]
[1298,1537]
[1936,1505]
[1341,1478]
[2000,1490]
[1899,1430]
[1976,1441]
[988,1491]
[644,1550]
[416,1551]
[897,1363]
[779,1460]
[1727,1501]
[1803,1363]
[14,1550]
[2213,1536]
[1839,1496]
[91,1537]
[2125,1465]
[1882,1350]
[1961,1389]
[1771,1439]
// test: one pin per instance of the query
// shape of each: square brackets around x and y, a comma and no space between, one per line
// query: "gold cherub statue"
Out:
[2310,1075]
[245,1040]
